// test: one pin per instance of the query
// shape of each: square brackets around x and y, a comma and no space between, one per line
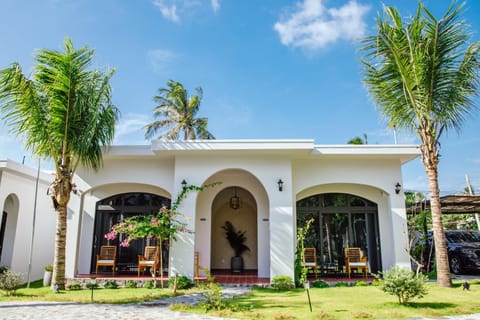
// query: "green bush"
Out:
[92,285]
[3,269]
[282,283]
[341,284]
[148,284]
[74,286]
[131,284]
[361,283]
[376,282]
[213,294]
[183,282]
[404,284]
[110,284]
[9,281]
[48,268]
[320,284]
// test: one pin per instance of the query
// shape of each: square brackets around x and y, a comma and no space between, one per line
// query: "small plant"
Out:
[282,283]
[404,284]
[376,282]
[213,294]
[361,283]
[320,284]
[92,285]
[110,284]
[183,282]
[48,268]
[74,286]
[131,284]
[341,284]
[149,284]
[9,281]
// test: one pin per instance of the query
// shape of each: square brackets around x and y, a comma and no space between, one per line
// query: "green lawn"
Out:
[329,303]
[351,303]
[123,295]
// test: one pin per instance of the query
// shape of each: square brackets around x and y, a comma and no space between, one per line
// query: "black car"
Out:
[463,250]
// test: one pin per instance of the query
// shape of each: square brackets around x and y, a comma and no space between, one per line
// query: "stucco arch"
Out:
[90,197]
[240,178]
[386,218]
[10,207]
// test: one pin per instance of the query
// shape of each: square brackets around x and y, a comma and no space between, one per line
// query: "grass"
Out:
[348,303]
[365,302]
[37,292]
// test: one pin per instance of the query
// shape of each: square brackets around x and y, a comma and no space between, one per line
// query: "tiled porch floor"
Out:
[247,277]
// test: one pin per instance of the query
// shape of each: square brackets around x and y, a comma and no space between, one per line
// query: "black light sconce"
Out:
[184,184]
[398,188]
[280,185]
[235,201]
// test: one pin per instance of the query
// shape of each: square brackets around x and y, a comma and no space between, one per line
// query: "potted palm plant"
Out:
[236,239]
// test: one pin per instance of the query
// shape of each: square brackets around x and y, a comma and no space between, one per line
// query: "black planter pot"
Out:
[236,264]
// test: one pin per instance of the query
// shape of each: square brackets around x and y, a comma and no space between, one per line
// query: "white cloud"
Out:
[313,26]
[215,5]
[168,9]
[130,129]
[160,59]
[172,9]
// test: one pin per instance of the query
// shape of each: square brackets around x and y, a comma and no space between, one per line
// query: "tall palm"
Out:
[65,113]
[176,112]
[423,78]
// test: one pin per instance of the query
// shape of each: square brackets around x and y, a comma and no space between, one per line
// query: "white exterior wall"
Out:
[305,171]
[18,182]
[259,176]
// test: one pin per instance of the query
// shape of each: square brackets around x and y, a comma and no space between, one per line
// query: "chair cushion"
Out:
[105,261]
[309,264]
[147,262]
[357,264]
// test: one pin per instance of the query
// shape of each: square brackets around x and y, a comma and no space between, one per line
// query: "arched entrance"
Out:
[8,228]
[341,220]
[238,206]
[114,209]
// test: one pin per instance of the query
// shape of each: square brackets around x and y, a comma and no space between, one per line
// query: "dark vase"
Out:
[236,264]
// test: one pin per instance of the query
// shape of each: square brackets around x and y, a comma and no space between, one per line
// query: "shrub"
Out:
[213,294]
[341,284]
[376,282]
[9,281]
[404,284]
[48,268]
[3,269]
[320,284]
[92,285]
[148,284]
[110,284]
[361,283]
[131,284]
[183,282]
[74,286]
[282,283]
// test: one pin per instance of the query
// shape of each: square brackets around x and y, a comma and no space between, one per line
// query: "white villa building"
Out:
[353,193]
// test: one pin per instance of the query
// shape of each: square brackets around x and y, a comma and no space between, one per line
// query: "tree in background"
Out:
[423,76]
[358,140]
[176,113]
[65,113]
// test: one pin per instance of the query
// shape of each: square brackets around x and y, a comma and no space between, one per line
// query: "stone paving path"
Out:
[154,310]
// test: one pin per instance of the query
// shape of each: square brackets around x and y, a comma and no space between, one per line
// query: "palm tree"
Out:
[65,113]
[358,140]
[423,77]
[176,111]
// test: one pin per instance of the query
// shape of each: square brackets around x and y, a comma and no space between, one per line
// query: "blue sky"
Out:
[269,69]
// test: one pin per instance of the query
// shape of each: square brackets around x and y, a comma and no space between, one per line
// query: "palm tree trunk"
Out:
[60,244]
[441,255]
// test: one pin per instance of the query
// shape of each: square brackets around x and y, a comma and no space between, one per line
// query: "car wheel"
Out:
[455,265]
